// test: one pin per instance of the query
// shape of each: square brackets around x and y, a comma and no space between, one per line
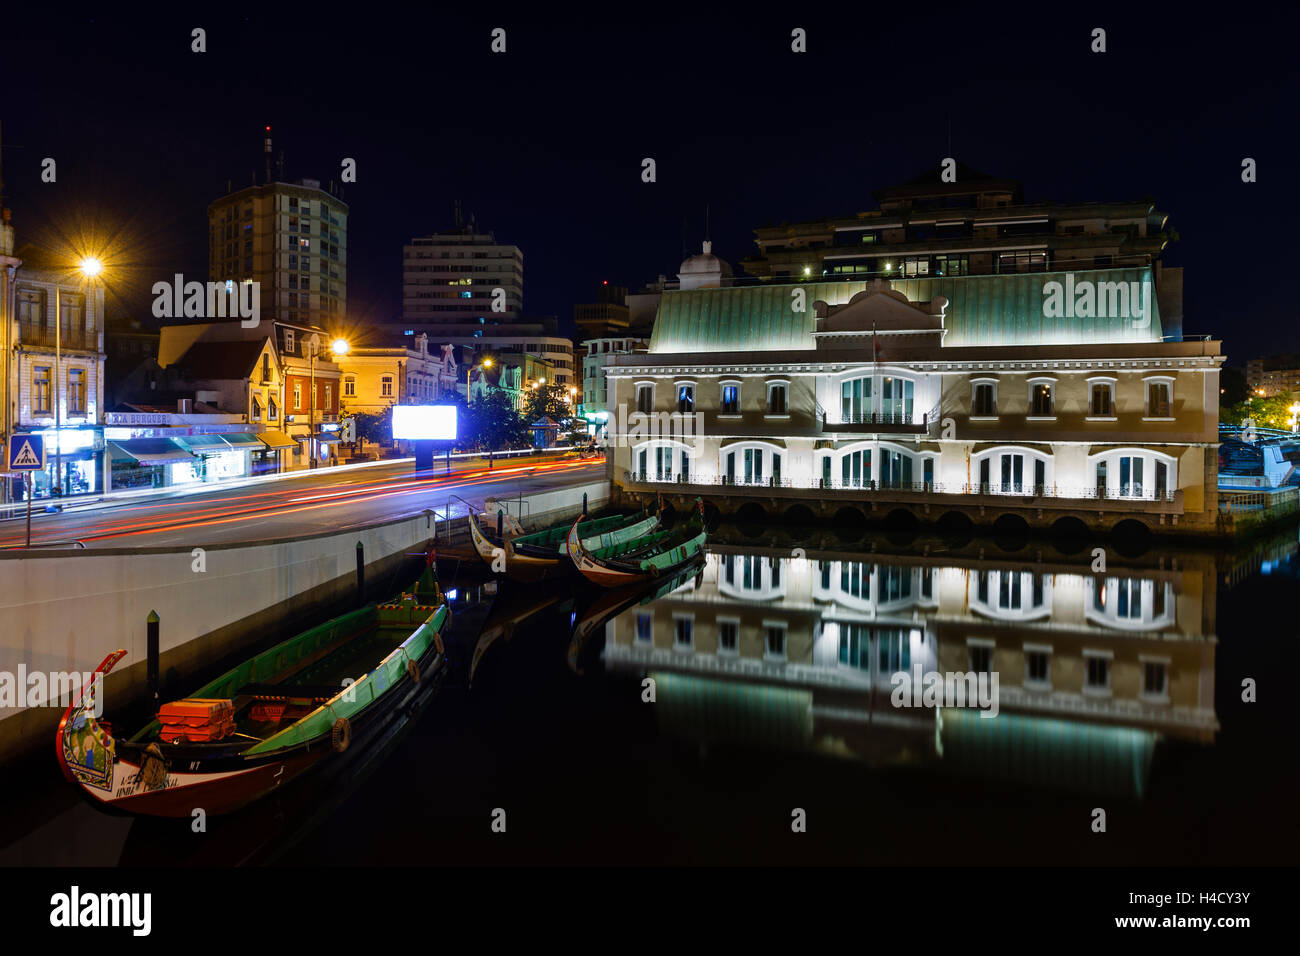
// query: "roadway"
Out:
[317,502]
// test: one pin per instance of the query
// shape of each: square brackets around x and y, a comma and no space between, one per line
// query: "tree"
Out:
[1271,412]
[374,427]
[493,423]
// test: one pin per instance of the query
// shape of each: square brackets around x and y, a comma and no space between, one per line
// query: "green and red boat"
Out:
[651,556]
[281,712]
[533,557]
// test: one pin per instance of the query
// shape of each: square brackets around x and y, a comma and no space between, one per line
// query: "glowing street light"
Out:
[340,347]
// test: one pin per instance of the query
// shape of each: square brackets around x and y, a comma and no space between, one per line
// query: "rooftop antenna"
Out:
[266,148]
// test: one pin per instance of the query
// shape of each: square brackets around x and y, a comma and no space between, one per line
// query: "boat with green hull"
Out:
[651,556]
[540,554]
[279,713]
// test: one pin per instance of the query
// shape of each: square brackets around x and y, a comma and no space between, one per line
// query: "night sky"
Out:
[544,143]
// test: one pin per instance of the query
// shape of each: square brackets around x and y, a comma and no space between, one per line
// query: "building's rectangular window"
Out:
[1155,679]
[1038,668]
[1040,400]
[895,651]
[984,404]
[775,641]
[273,409]
[289,341]
[686,399]
[76,391]
[1100,406]
[728,637]
[645,403]
[41,390]
[349,387]
[1098,673]
[683,633]
[297,396]
[855,400]
[386,386]
[329,398]
[981,658]
[1158,402]
[1130,476]
[776,399]
[730,400]
[644,627]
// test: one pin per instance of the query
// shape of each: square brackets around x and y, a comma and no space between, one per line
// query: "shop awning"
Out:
[243,440]
[328,438]
[148,451]
[204,444]
[274,438]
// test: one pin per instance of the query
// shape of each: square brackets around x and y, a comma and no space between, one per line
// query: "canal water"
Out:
[747,712]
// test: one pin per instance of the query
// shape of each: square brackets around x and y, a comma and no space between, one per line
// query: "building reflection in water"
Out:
[1094,670]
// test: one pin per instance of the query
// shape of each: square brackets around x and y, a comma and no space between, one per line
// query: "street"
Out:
[290,507]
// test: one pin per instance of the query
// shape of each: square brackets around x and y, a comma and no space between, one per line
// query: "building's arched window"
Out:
[1129,603]
[752,463]
[1012,470]
[1133,473]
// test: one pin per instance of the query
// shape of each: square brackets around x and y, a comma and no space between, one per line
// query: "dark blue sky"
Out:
[544,143]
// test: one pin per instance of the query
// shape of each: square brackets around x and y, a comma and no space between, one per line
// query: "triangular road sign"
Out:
[26,457]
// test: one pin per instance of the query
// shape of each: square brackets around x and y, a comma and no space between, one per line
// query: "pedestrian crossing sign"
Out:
[26,452]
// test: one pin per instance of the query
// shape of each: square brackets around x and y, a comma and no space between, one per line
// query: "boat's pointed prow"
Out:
[84,748]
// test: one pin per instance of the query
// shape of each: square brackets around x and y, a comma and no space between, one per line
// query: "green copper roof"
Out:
[982,310]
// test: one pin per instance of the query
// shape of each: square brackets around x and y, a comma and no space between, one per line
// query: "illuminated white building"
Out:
[1048,396]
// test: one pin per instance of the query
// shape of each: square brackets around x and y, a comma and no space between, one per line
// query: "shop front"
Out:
[276,454]
[73,458]
[148,463]
[216,457]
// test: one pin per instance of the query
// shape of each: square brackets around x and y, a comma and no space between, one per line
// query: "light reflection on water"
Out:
[785,649]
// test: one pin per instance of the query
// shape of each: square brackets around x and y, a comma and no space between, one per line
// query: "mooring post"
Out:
[501,519]
[584,504]
[361,574]
[151,657]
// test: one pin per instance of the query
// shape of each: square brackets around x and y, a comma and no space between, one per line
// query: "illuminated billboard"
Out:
[424,422]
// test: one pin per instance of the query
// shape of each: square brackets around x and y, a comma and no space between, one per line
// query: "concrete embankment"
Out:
[63,611]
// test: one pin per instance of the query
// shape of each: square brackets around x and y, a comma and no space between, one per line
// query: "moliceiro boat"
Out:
[270,719]
[654,555]
[532,557]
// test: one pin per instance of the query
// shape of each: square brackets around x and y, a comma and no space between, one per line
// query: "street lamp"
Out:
[486,363]
[1295,417]
[338,347]
[89,268]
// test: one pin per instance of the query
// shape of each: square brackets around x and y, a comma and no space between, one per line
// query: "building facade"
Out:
[292,239]
[1051,397]
[1276,375]
[55,373]
[973,225]
[448,280]
[409,372]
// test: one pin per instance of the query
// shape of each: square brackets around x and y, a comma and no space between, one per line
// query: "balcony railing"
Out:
[895,421]
[1071,492]
[44,337]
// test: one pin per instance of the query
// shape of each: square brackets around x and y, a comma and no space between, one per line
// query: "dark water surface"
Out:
[771,670]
